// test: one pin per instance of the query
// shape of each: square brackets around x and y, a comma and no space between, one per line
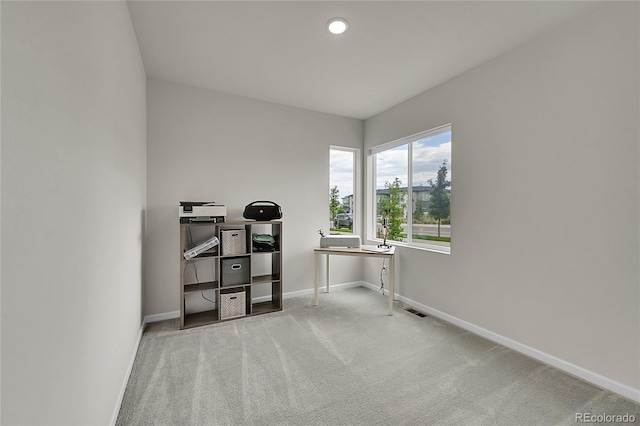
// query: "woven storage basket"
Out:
[234,241]
[232,305]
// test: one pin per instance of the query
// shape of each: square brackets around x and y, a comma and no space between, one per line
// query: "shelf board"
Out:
[224,256]
[235,286]
[200,318]
[265,279]
[192,288]
[265,307]
[262,222]
[203,255]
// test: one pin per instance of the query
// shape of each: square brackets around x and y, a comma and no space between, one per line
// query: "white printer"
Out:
[201,211]
[346,241]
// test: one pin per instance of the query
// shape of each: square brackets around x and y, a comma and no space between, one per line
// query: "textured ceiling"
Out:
[280,51]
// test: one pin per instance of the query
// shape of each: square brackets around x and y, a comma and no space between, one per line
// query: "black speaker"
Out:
[262,210]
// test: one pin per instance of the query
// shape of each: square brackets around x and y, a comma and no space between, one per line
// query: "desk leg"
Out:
[392,283]
[327,276]
[315,278]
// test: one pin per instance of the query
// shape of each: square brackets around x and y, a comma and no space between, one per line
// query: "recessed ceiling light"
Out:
[337,25]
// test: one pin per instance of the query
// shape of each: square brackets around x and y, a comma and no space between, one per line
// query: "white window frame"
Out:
[371,209]
[357,183]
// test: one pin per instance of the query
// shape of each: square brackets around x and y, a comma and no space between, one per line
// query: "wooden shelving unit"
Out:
[213,284]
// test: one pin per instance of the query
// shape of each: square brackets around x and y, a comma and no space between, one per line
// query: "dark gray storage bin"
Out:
[234,271]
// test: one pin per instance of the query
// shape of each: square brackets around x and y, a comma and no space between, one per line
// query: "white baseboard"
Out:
[589,376]
[147,319]
[160,317]
[123,388]
[309,291]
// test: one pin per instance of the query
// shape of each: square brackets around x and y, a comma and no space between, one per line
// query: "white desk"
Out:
[353,252]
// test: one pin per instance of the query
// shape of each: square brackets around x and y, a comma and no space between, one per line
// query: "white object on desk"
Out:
[349,241]
[366,251]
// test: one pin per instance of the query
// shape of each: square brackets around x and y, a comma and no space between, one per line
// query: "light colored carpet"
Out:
[346,362]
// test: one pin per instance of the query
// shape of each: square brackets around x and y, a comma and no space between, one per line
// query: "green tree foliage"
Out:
[418,212]
[393,209]
[439,203]
[334,203]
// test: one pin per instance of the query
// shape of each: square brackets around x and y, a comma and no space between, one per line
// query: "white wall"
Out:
[73,200]
[209,146]
[545,194]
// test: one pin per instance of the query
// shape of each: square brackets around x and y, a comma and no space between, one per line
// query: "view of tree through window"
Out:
[341,190]
[421,216]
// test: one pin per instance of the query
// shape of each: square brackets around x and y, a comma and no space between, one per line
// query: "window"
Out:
[343,184]
[420,217]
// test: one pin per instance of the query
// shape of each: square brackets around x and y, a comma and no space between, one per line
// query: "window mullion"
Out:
[374,202]
[409,192]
